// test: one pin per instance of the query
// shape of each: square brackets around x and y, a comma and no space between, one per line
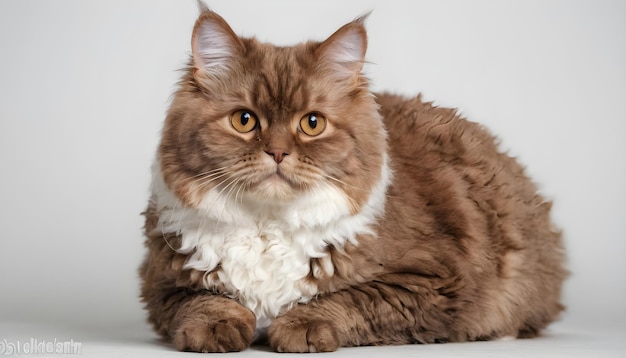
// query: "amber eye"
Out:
[313,124]
[243,121]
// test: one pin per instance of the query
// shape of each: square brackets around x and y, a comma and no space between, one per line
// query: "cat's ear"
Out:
[202,7]
[344,51]
[214,45]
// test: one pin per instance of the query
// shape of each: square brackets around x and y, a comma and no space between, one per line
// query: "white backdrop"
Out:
[84,86]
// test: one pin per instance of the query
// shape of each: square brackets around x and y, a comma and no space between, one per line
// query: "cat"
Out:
[293,207]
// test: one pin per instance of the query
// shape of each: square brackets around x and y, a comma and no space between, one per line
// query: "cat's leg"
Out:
[200,321]
[210,323]
[373,313]
[182,311]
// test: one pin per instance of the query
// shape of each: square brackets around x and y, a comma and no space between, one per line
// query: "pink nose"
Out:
[277,154]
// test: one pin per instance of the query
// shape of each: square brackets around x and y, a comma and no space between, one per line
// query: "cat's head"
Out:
[255,121]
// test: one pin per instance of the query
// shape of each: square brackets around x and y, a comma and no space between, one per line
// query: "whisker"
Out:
[343,183]
[227,184]
[213,175]
[231,180]
[240,187]
[211,171]
[350,199]
[234,189]
[202,183]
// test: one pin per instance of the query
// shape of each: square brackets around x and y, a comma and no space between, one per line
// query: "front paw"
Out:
[227,329]
[302,335]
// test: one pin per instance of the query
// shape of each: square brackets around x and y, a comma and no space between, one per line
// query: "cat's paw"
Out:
[228,330]
[301,335]
[226,335]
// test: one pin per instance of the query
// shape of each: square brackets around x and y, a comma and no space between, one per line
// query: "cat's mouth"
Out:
[277,185]
[279,177]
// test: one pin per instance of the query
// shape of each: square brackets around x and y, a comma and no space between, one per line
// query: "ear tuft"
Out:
[344,51]
[202,7]
[214,44]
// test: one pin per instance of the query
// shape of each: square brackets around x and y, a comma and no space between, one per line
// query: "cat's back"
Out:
[471,207]
[451,169]
[420,128]
[435,145]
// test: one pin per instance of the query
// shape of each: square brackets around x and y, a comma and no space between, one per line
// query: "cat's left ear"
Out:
[344,51]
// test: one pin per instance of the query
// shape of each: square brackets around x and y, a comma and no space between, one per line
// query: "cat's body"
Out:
[289,200]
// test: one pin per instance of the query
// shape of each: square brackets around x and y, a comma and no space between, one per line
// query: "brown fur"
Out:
[465,249]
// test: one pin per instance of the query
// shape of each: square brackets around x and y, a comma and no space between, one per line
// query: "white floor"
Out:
[136,340]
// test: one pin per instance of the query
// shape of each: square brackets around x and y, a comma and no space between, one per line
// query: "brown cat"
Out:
[292,206]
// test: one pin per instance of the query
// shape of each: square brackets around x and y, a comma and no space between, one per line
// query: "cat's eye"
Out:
[244,121]
[313,124]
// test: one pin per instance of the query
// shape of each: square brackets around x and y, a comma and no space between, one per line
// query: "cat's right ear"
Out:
[214,45]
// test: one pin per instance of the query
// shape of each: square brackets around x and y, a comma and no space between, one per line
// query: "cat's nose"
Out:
[277,154]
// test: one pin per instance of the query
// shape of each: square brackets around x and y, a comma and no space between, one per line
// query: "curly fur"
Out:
[400,223]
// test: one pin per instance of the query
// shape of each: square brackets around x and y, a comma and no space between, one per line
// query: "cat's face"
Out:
[255,121]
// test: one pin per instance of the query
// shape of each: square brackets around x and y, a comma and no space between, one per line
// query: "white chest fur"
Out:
[262,251]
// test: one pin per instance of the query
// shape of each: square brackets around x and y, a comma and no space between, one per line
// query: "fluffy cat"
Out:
[292,206]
